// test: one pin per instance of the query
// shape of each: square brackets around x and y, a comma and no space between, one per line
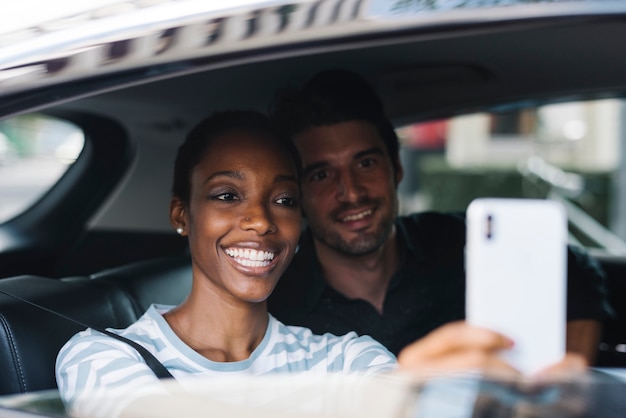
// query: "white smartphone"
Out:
[516,262]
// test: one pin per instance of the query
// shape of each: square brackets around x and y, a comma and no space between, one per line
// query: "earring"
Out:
[179,230]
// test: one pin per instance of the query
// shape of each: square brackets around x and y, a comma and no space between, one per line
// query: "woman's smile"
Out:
[252,261]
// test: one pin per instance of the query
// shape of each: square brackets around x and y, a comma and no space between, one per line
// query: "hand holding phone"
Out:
[516,257]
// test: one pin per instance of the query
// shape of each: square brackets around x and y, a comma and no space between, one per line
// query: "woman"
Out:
[236,199]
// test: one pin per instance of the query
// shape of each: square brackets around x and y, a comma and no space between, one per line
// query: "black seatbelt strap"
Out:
[155,365]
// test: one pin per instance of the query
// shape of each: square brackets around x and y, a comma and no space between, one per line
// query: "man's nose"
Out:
[349,188]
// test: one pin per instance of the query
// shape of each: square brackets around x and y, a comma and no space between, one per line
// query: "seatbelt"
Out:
[155,365]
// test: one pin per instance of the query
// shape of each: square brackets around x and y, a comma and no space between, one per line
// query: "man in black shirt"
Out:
[362,268]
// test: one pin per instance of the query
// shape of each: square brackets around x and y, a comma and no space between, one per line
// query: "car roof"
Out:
[425,63]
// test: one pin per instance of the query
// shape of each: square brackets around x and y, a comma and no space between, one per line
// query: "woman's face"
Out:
[243,218]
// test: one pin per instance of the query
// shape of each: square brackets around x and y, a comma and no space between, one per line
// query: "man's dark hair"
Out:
[329,97]
[193,150]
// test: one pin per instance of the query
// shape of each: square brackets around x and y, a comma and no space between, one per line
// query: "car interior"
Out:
[97,247]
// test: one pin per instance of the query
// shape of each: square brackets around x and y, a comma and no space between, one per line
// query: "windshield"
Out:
[597,394]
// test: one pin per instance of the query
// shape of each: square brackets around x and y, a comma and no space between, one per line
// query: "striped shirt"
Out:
[91,366]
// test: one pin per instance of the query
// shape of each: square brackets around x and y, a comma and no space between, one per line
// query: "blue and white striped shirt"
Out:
[91,365]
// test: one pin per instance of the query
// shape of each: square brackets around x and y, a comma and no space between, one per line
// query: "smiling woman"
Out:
[248,188]
[236,199]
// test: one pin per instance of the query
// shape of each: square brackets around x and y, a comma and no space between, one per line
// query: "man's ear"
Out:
[178,216]
[399,171]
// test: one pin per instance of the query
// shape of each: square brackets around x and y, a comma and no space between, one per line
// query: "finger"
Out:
[461,336]
[488,363]
[457,336]
[572,364]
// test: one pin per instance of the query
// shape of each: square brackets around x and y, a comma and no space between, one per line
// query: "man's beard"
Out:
[363,244]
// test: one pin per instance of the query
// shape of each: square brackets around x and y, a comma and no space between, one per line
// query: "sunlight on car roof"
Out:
[28,13]
[31,13]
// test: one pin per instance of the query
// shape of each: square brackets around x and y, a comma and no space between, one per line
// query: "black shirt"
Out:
[427,290]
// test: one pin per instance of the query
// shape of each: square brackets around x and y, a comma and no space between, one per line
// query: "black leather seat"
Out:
[166,281]
[30,337]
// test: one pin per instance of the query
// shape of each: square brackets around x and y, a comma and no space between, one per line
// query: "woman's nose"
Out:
[258,218]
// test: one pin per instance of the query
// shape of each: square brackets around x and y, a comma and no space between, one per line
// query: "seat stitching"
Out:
[15,354]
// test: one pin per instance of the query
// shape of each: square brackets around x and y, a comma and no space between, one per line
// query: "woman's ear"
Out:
[178,216]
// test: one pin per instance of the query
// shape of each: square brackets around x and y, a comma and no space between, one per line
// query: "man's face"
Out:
[348,186]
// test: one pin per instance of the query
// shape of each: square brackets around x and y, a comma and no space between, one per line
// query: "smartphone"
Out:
[516,262]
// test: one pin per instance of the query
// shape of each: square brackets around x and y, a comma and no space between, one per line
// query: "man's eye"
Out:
[367,162]
[319,175]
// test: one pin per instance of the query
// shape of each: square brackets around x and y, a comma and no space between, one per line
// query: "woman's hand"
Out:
[460,346]
[457,346]
[571,365]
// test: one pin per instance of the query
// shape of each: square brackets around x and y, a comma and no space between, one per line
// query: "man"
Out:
[361,267]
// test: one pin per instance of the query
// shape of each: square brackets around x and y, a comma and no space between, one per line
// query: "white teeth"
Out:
[357,216]
[249,257]
[249,263]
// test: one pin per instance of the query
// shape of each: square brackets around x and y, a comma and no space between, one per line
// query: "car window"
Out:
[35,151]
[567,151]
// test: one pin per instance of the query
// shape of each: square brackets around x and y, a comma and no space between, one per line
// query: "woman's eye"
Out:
[225,196]
[287,201]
